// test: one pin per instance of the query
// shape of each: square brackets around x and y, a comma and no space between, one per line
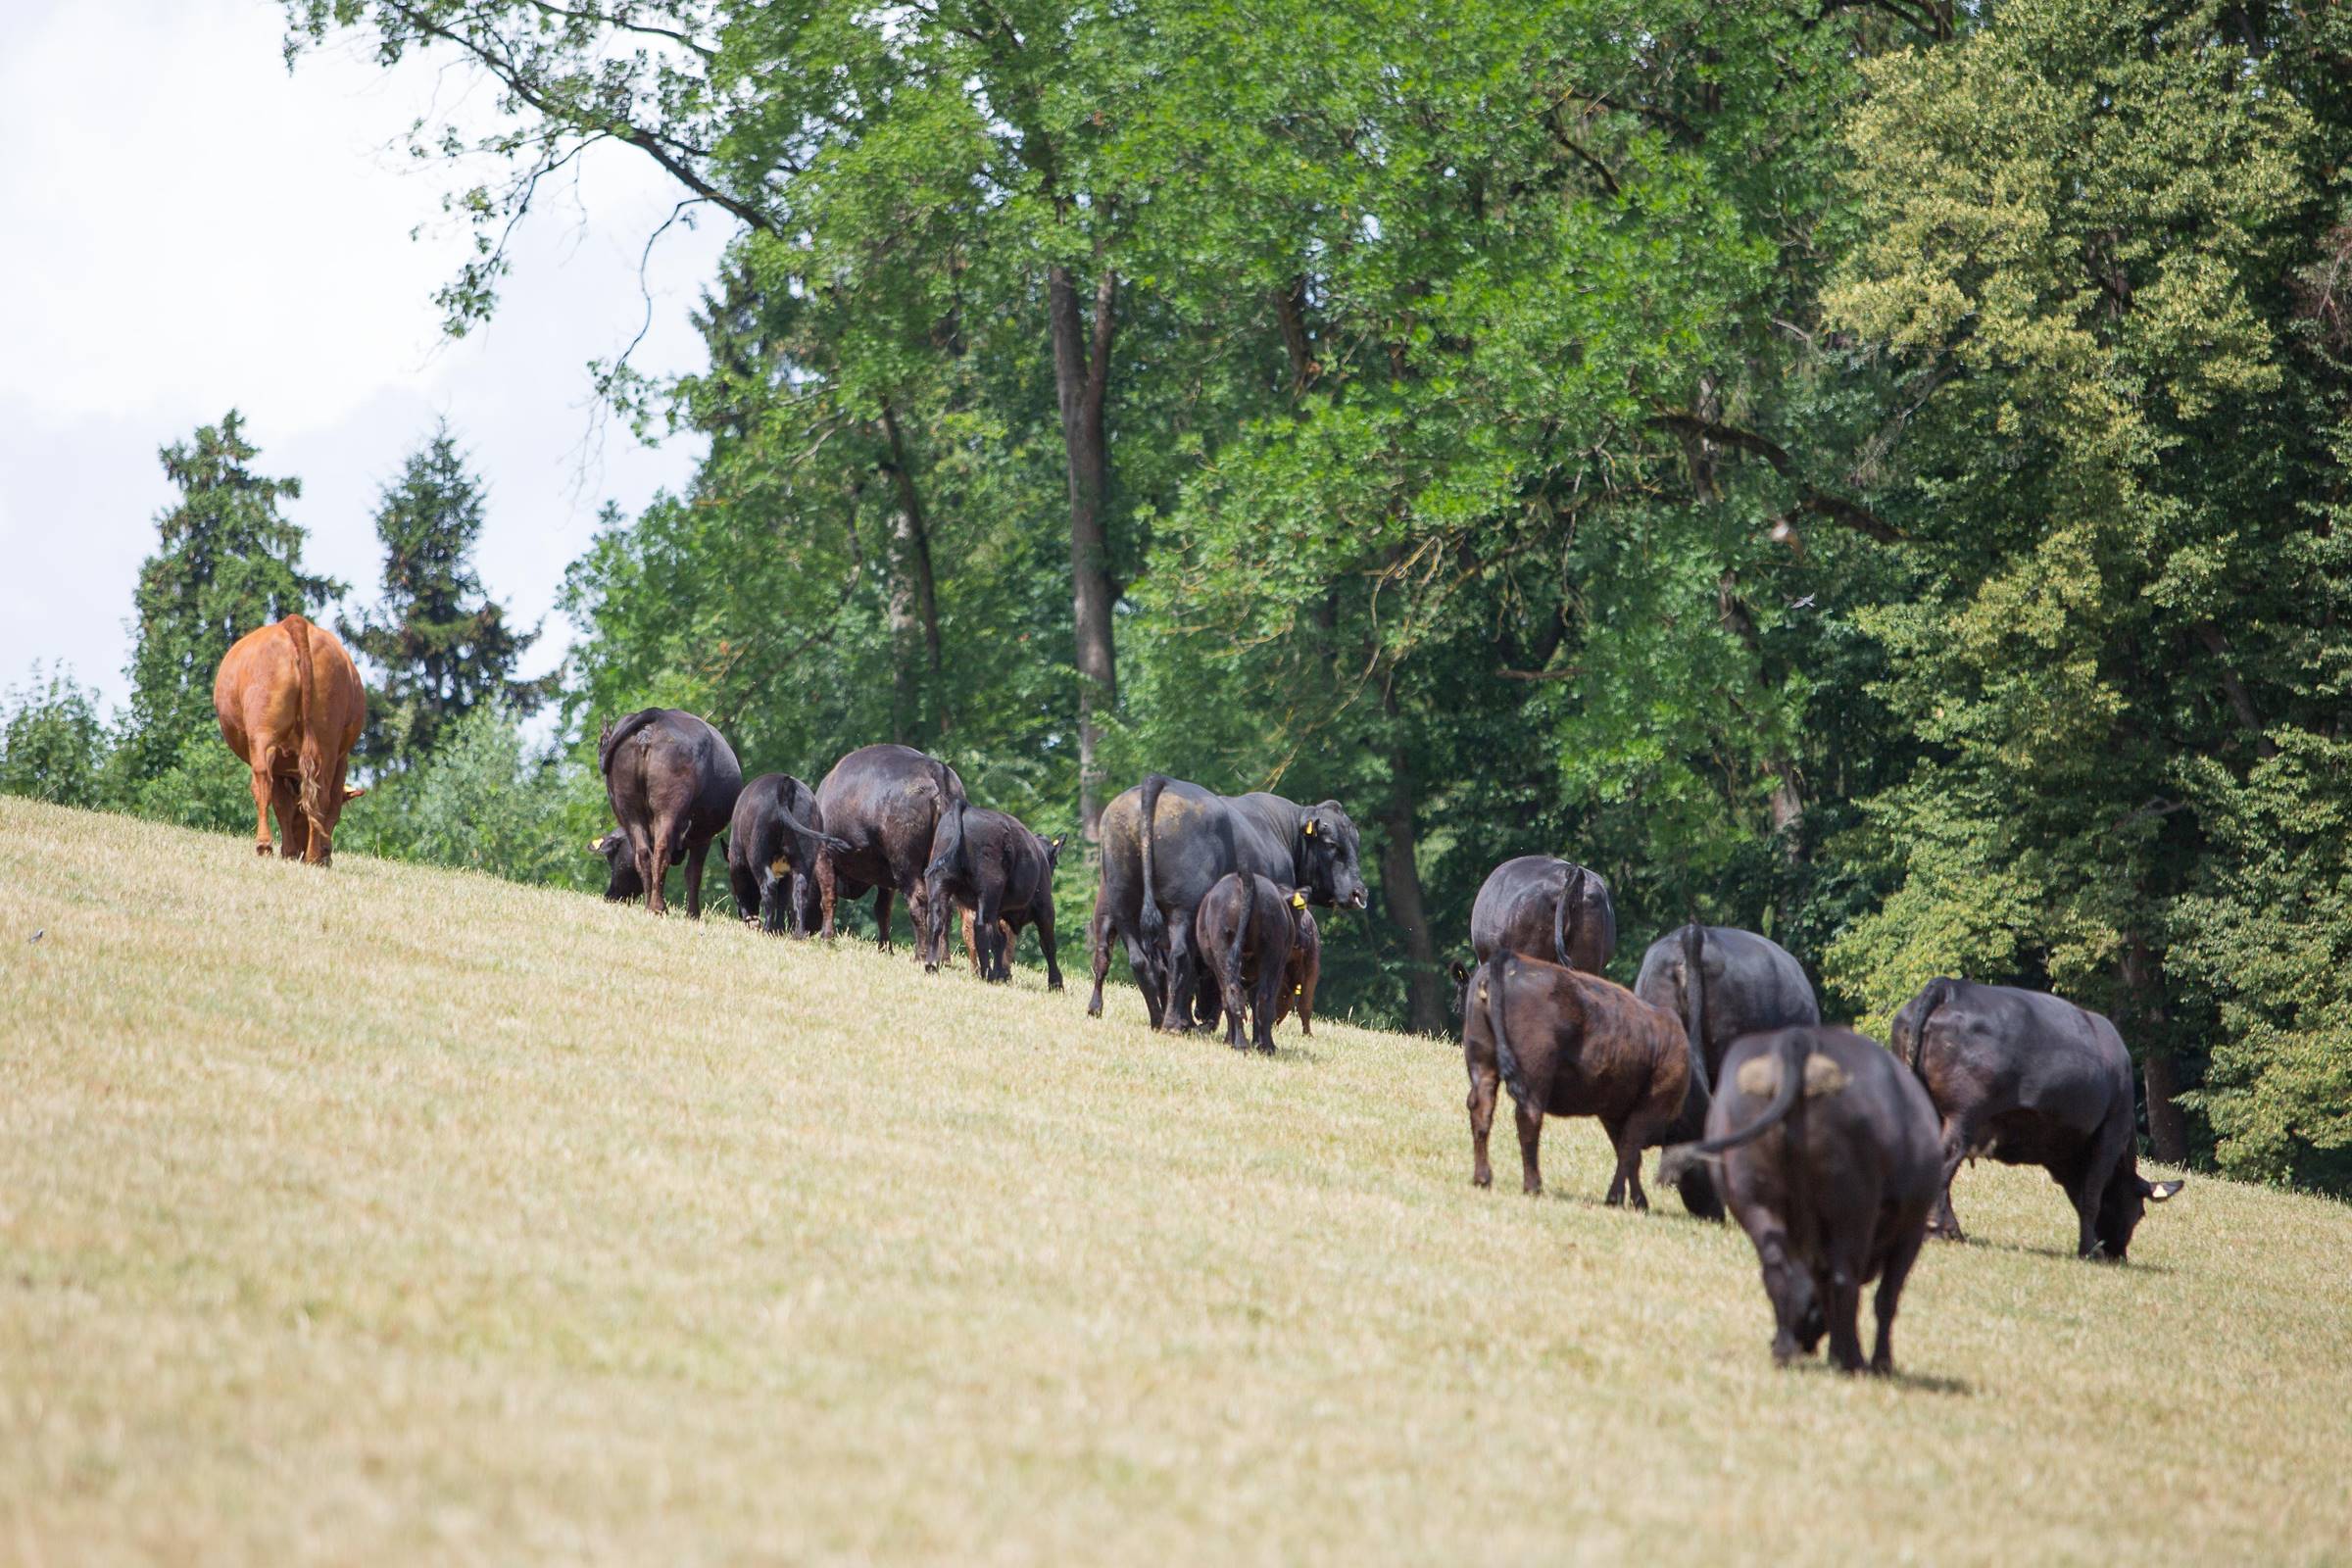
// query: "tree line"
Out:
[1870,472]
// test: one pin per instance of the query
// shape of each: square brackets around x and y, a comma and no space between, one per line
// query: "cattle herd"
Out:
[1835,1154]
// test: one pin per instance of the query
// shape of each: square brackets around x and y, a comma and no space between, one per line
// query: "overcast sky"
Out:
[185,227]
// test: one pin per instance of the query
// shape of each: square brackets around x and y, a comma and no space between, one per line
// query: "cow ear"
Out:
[1460,974]
[2158,1192]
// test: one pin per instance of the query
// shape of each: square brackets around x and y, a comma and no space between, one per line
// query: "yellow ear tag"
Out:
[778,868]
[1298,901]
[596,846]
[1310,828]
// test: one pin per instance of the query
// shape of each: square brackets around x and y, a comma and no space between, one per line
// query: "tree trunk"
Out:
[2160,1073]
[913,594]
[1788,800]
[1401,887]
[1081,377]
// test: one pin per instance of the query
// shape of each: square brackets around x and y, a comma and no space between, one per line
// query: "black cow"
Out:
[1748,984]
[673,782]
[884,803]
[1244,932]
[2031,1079]
[1165,843]
[1547,908]
[1828,1163]
[992,864]
[772,844]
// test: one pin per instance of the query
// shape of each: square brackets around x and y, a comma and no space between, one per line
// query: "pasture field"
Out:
[389,1215]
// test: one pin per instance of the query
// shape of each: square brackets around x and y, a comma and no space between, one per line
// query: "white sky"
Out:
[185,228]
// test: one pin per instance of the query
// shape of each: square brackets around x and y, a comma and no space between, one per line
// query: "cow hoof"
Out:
[1266,1051]
[265,851]
[1481,1180]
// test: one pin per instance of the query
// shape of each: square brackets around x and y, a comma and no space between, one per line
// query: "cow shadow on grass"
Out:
[1909,1382]
[2059,1254]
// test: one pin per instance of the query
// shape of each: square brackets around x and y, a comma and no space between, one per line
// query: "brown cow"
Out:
[291,706]
[1570,1044]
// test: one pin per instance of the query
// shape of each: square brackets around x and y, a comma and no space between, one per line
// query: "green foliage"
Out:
[439,645]
[1876,474]
[485,799]
[2267,944]
[227,563]
[201,785]
[53,745]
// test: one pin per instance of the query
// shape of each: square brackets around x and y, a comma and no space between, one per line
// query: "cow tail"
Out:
[1677,1163]
[1153,923]
[1507,1060]
[1910,1042]
[1694,1002]
[314,722]
[1571,892]
[1236,954]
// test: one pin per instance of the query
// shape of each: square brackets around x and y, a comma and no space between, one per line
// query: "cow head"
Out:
[2126,1198]
[624,882]
[1326,850]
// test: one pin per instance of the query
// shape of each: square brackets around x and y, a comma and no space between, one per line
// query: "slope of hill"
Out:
[386,1214]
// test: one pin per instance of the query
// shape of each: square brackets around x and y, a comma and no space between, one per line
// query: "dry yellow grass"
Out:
[390,1215]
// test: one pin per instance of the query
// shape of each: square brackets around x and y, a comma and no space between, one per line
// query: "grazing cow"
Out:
[884,802]
[1244,932]
[673,781]
[993,865]
[291,706]
[773,841]
[1569,1044]
[1305,967]
[1828,1163]
[1748,982]
[1165,843]
[1547,908]
[2031,1079]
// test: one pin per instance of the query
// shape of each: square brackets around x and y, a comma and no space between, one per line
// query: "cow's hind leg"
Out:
[653,865]
[1268,996]
[1956,1135]
[263,793]
[752,901]
[293,827]
[1176,1015]
[1899,1259]
[1631,1137]
[696,855]
[1485,1079]
[1097,936]
[1841,1290]
[996,964]
[1790,1292]
[1530,1119]
[1042,916]
[828,890]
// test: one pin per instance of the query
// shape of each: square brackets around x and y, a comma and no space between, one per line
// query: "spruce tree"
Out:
[229,563]
[439,646]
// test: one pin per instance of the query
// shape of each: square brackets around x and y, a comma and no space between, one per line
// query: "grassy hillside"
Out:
[385,1214]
